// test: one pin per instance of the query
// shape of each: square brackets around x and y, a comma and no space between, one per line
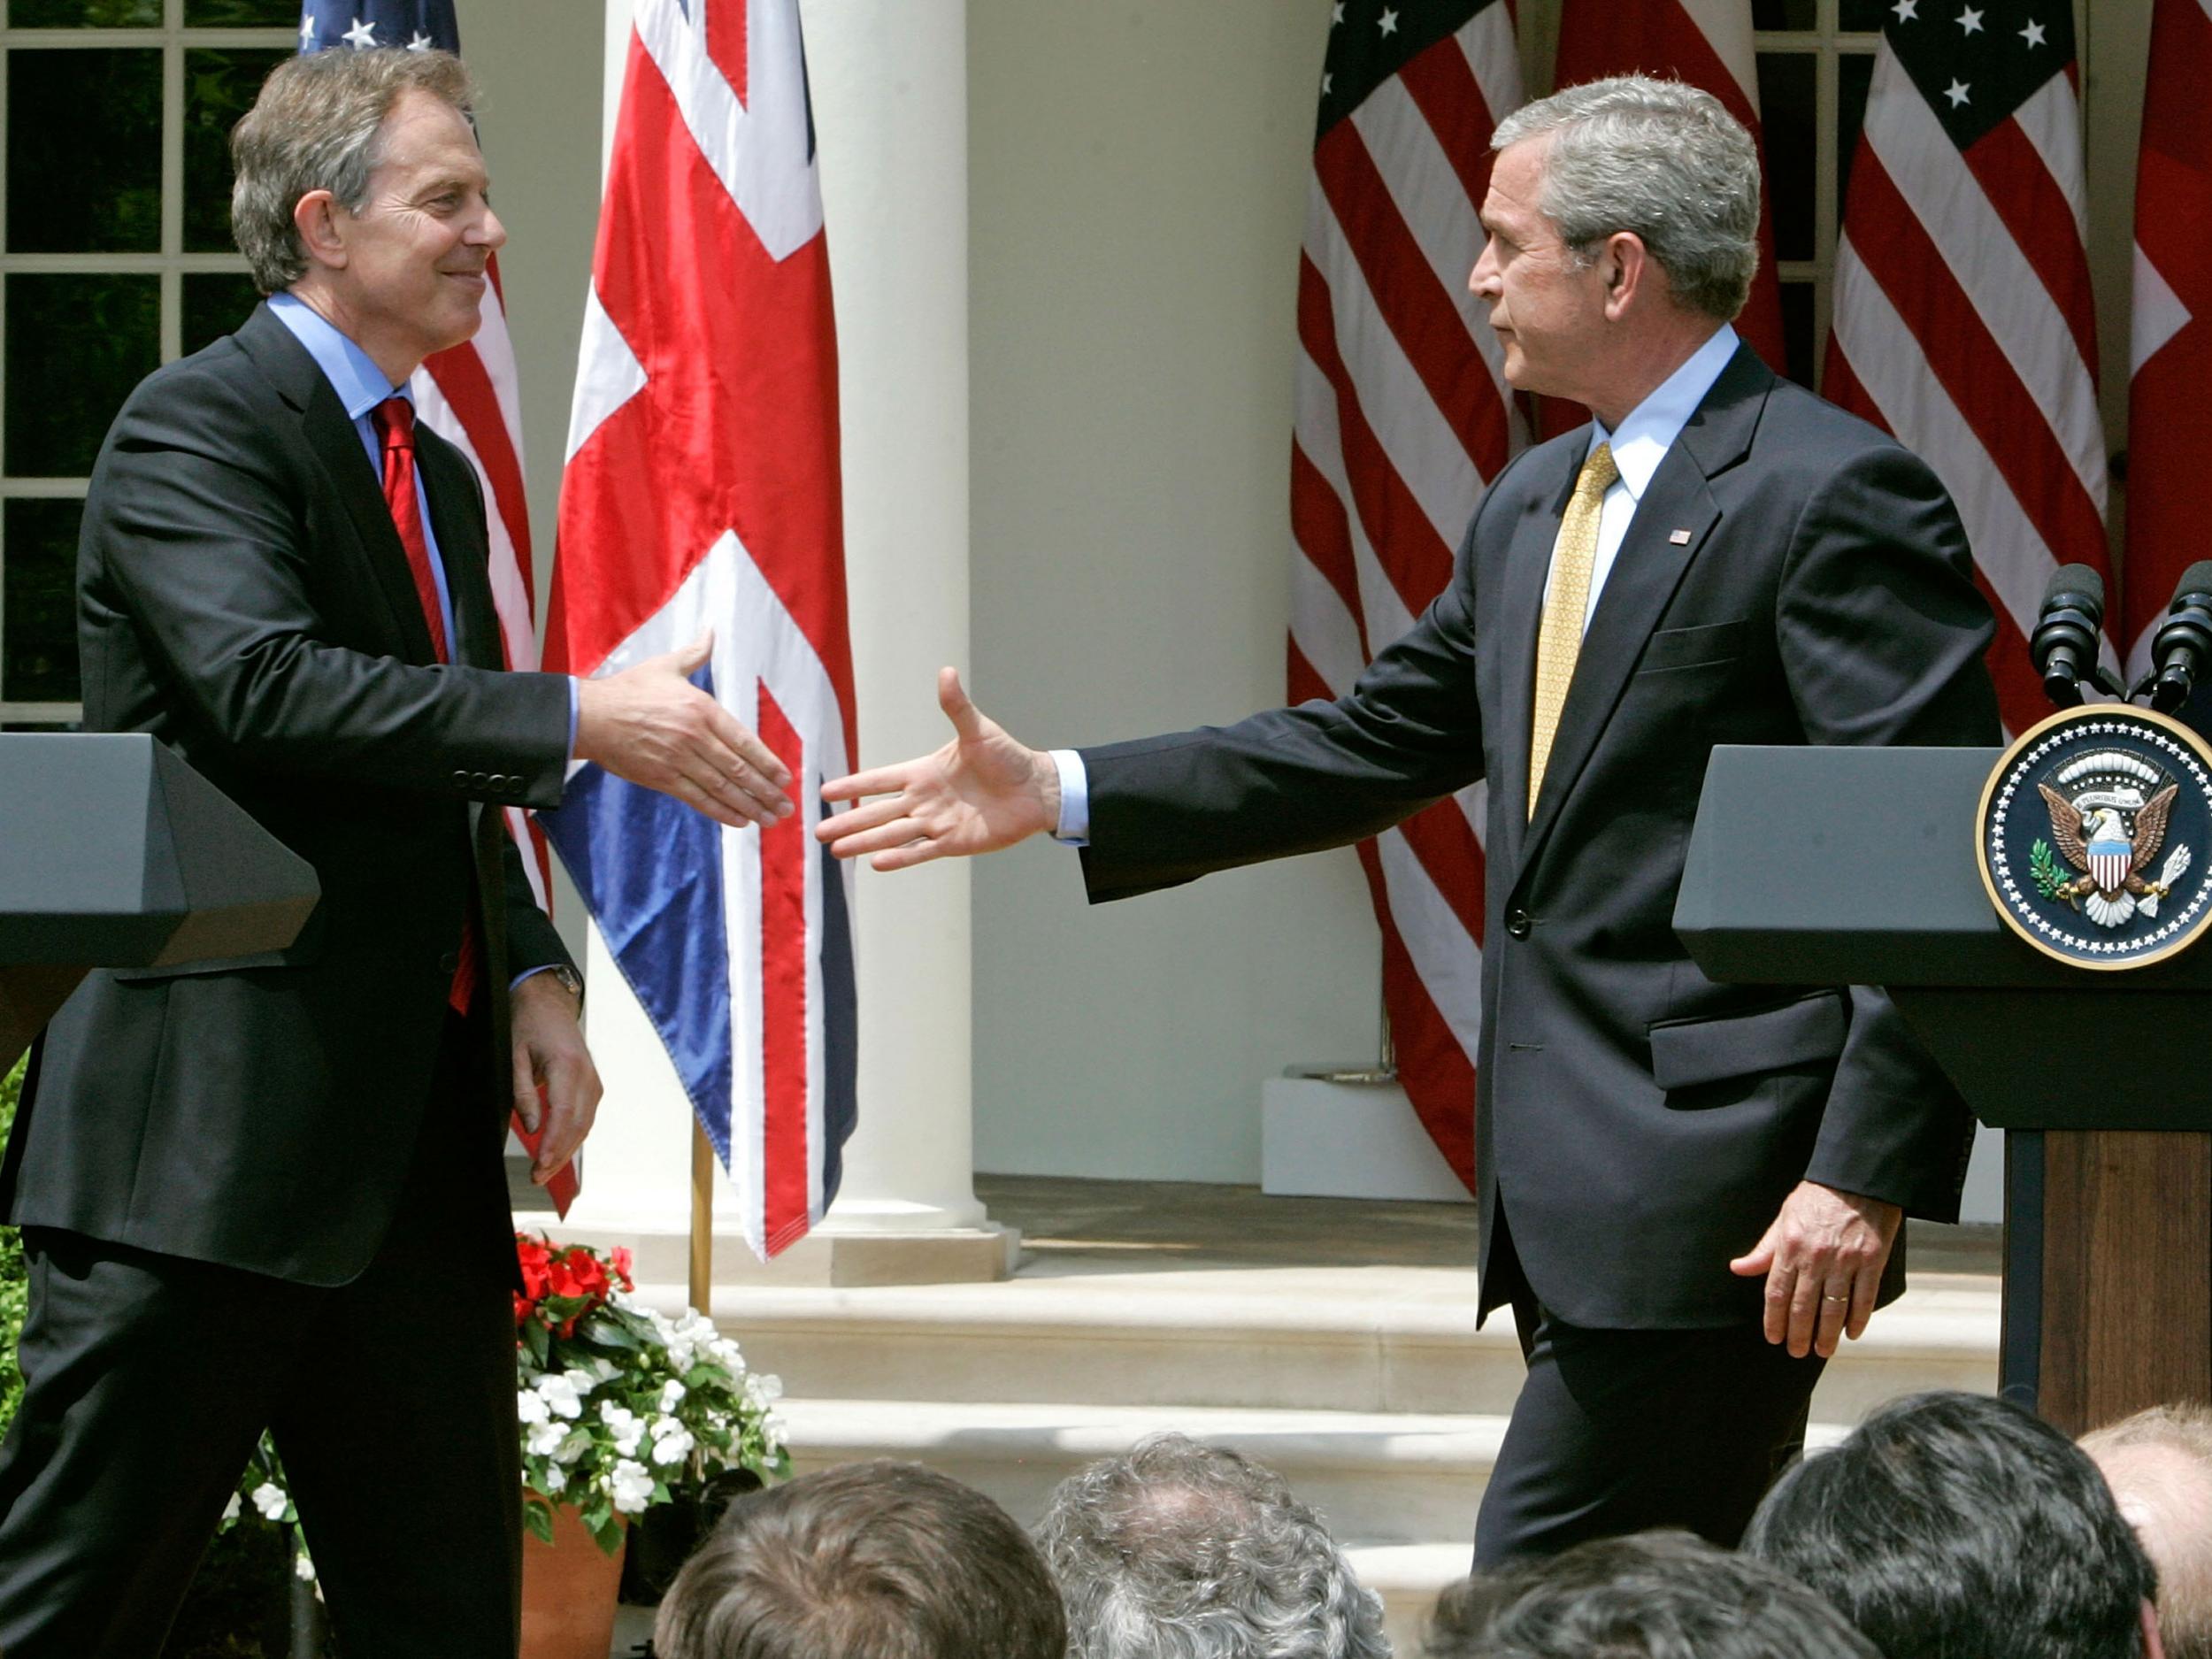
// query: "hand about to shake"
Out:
[981,792]
[650,724]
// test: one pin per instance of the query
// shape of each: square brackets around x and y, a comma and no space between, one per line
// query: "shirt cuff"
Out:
[575,707]
[528,973]
[1074,828]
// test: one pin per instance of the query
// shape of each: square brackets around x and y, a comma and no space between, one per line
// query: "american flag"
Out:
[2172,342]
[701,492]
[1963,321]
[468,395]
[1708,44]
[1402,416]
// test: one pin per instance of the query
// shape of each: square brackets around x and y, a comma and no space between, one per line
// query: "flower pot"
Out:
[568,1593]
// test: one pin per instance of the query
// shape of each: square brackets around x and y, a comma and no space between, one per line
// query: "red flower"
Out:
[623,1264]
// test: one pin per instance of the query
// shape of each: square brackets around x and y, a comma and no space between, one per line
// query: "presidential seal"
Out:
[2094,831]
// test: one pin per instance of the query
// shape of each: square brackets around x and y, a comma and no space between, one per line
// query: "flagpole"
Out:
[702,1221]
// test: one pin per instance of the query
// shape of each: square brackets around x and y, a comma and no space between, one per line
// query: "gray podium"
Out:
[114,853]
[1812,866]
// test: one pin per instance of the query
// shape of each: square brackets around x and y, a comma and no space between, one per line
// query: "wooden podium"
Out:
[1814,867]
[120,854]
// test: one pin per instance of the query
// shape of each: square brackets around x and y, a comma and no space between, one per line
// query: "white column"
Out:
[890,85]
[888,79]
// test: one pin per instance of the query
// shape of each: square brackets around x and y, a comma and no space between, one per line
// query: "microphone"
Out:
[2182,644]
[2064,646]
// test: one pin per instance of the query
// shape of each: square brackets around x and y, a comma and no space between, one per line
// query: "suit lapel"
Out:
[1672,522]
[1527,565]
[450,488]
[336,442]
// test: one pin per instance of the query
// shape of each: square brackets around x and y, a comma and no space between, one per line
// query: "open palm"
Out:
[982,791]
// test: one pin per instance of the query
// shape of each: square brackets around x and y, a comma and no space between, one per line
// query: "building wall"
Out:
[1137,192]
[1137,184]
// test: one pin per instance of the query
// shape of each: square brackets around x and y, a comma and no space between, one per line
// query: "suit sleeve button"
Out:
[1518,923]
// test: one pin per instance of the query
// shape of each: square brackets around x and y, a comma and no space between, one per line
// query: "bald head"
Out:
[2159,1465]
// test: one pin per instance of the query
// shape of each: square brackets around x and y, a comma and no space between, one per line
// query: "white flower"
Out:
[268,1497]
[556,1479]
[627,1427]
[763,1388]
[544,1439]
[586,1380]
[233,1509]
[302,1569]
[561,1393]
[727,1355]
[671,1442]
[530,1407]
[672,1392]
[632,1488]
[774,1430]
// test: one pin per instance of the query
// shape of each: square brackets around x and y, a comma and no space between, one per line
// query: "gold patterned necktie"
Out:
[1559,636]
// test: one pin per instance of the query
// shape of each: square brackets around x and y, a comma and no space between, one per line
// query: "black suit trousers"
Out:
[1616,1431]
[391,1399]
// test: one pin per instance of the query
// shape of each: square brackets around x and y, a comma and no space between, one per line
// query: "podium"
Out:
[1816,865]
[117,853]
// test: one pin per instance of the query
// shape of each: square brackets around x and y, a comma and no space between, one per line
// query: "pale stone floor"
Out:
[1082,1227]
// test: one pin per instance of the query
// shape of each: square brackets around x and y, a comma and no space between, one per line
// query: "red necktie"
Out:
[395,420]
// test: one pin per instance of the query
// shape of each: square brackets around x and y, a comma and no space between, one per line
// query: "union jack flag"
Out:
[701,492]
[469,396]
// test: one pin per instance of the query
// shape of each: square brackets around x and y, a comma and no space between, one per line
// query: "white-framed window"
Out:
[1816,61]
[115,256]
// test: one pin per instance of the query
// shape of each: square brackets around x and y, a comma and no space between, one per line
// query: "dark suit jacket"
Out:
[1639,1123]
[244,598]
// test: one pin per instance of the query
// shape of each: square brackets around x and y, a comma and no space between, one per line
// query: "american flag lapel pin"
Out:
[1680,538]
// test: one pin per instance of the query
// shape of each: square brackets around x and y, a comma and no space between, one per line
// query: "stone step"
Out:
[1390,1477]
[1372,1340]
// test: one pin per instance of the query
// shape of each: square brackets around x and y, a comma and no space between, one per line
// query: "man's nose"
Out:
[1482,281]
[491,234]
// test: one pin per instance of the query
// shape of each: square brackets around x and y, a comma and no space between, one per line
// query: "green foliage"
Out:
[15,1288]
[2043,866]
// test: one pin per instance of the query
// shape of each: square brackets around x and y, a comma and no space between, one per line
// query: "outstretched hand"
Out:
[650,724]
[1823,1258]
[981,792]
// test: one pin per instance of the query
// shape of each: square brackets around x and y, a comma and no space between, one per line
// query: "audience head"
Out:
[1177,1551]
[2159,1465]
[866,1560]
[1951,1524]
[1658,1595]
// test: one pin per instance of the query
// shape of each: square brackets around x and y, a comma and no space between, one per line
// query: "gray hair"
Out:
[316,127]
[1178,1551]
[1659,158]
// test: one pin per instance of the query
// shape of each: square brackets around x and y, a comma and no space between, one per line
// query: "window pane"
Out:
[239,14]
[38,644]
[84,151]
[76,346]
[219,87]
[214,306]
[1854,74]
[1785,14]
[1797,331]
[1868,15]
[84,14]
[1788,120]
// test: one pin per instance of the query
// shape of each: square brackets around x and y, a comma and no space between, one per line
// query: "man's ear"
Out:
[2153,1648]
[315,216]
[1627,268]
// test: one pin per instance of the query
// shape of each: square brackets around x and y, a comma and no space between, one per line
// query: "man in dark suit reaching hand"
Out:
[1689,1192]
[268,1191]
